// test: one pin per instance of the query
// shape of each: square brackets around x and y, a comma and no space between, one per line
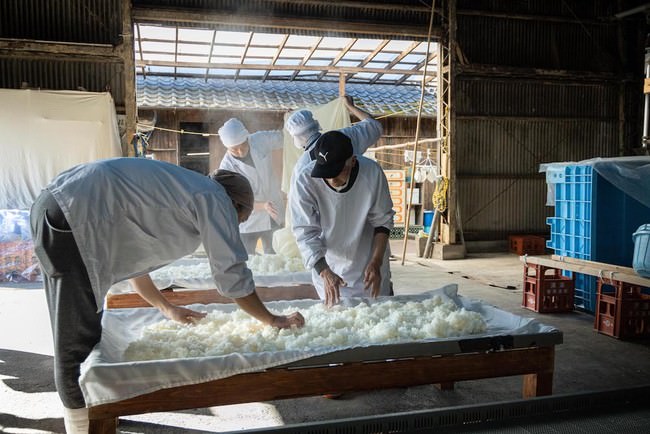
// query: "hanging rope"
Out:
[439,197]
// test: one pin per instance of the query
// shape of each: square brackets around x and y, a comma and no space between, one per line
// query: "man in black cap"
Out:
[342,216]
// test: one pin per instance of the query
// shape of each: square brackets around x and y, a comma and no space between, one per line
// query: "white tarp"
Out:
[43,133]
[107,377]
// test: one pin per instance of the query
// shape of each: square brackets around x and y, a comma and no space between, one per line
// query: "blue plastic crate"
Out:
[594,221]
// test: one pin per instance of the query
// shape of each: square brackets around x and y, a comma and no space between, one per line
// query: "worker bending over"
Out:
[342,215]
[99,223]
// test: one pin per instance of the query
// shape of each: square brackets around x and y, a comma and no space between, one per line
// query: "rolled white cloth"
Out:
[76,420]
[233,133]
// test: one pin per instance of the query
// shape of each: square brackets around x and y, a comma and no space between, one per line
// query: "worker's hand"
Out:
[183,315]
[271,209]
[372,278]
[288,321]
[332,284]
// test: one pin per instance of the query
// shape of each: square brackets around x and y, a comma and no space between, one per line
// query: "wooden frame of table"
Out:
[379,367]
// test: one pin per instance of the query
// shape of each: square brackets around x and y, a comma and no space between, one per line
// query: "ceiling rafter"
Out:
[307,57]
[275,57]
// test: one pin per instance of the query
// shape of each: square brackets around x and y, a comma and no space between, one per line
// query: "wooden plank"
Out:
[207,296]
[606,271]
[646,85]
[599,265]
[210,19]
[535,363]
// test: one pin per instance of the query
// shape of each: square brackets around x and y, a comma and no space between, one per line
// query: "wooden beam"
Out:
[342,78]
[338,57]
[277,54]
[355,5]
[598,269]
[307,57]
[211,19]
[335,69]
[27,48]
[126,52]
[399,58]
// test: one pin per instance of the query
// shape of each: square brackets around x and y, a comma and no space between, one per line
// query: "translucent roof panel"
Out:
[268,56]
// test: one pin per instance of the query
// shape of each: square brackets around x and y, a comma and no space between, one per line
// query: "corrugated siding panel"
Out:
[560,8]
[499,97]
[495,208]
[86,21]
[511,147]
[539,44]
[63,75]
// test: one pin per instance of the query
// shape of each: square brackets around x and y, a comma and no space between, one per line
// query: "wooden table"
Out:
[358,369]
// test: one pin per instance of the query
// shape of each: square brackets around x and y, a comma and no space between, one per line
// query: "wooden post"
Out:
[127,53]
[342,78]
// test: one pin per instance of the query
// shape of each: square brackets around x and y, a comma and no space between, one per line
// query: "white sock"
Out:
[75,420]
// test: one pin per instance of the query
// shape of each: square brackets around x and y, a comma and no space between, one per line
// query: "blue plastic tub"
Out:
[641,259]
[427,219]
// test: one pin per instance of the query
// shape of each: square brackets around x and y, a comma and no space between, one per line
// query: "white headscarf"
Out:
[233,133]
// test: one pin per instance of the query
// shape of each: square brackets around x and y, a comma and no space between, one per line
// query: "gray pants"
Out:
[76,324]
[250,241]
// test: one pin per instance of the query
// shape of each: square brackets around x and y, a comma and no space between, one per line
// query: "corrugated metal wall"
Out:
[509,118]
[63,75]
[86,21]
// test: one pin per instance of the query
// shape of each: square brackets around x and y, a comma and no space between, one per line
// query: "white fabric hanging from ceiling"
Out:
[43,133]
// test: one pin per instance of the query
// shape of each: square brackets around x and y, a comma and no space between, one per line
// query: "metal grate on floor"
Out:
[616,411]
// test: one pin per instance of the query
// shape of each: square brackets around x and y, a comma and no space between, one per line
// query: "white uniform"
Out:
[140,215]
[266,185]
[340,226]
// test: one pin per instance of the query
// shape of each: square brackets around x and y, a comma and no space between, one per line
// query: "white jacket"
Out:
[265,183]
[340,226]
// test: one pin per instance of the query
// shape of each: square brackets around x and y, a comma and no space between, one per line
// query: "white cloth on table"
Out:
[106,377]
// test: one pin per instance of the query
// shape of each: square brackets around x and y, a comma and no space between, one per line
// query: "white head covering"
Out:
[301,125]
[233,133]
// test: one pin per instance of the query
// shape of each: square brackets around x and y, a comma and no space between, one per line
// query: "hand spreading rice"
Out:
[385,322]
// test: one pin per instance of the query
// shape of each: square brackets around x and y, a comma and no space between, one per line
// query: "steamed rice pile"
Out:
[260,265]
[385,322]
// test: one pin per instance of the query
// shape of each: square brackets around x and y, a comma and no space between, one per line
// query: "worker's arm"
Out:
[145,287]
[356,111]
[252,305]
[372,274]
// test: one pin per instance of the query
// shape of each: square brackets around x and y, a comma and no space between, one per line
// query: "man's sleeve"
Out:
[268,140]
[381,213]
[305,218]
[217,224]
[363,134]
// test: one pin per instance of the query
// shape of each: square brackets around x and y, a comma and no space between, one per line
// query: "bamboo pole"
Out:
[417,137]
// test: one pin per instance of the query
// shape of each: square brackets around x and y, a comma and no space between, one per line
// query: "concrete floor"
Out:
[586,361]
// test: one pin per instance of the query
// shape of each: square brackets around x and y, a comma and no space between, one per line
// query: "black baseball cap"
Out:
[332,150]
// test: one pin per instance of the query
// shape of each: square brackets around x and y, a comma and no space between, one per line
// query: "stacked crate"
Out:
[594,221]
[623,310]
[546,290]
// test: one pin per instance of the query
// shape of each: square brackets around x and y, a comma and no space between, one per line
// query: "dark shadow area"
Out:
[34,372]
[10,422]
